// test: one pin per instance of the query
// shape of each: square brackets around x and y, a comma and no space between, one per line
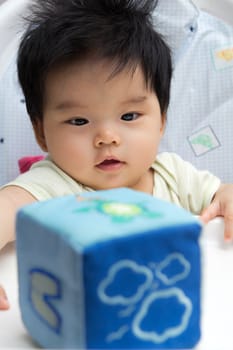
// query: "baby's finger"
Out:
[4,303]
[228,231]
[210,212]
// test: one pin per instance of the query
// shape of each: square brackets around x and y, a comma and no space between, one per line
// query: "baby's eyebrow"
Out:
[135,99]
[69,104]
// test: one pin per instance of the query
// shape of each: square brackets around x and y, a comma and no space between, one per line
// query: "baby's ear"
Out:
[163,124]
[39,134]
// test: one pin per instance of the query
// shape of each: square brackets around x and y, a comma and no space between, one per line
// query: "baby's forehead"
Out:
[110,69]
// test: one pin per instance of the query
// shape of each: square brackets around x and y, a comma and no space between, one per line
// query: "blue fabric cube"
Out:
[109,269]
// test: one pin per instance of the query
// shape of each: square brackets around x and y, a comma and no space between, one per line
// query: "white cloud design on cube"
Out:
[168,332]
[112,273]
[147,301]
[169,260]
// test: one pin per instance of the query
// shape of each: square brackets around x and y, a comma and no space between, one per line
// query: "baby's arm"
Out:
[11,199]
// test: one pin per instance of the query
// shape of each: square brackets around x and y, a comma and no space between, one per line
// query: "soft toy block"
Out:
[109,269]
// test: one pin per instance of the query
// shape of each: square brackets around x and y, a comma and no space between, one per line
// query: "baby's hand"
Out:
[222,205]
[4,303]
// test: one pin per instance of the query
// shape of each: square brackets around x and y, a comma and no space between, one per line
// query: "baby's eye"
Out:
[78,121]
[129,116]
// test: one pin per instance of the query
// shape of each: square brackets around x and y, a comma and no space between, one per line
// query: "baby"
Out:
[96,79]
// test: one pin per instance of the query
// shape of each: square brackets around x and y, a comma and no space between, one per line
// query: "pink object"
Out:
[25,163]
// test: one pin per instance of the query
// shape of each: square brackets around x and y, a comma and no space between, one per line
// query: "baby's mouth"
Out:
[110,161]
[110,164]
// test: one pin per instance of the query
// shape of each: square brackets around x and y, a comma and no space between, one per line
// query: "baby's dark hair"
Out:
[61,31]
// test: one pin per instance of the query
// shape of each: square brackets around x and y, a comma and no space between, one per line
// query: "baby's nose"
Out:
[107,137]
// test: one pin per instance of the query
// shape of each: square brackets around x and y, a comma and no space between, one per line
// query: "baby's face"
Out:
[103,131]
